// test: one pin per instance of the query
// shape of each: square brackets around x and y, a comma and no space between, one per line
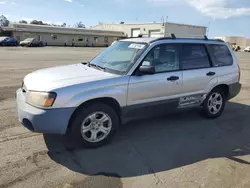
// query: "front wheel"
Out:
[93,126]
[214,104]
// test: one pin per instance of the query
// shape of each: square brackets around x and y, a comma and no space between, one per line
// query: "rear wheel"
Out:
[214,104]
[93,126]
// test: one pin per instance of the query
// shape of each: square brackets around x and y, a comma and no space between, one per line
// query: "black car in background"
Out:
[8,41]
[31,42]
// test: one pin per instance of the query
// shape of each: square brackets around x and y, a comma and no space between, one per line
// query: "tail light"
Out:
[239,72]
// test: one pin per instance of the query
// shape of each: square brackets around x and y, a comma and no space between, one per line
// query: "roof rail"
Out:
[174,37]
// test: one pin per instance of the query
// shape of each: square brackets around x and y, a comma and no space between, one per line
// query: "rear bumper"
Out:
[50,121]
[234,90]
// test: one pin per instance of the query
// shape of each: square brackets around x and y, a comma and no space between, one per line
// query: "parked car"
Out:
[235,47]
[133,78]
[31,42]
[8,41]
[247,49]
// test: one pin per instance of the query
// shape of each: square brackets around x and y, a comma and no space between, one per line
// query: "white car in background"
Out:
[247,49]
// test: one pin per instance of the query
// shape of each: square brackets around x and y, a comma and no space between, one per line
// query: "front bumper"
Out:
[49,121]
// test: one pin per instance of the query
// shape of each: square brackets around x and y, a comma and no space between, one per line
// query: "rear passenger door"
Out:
[199,76]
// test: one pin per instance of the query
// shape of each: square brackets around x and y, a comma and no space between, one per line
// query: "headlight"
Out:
[42,99]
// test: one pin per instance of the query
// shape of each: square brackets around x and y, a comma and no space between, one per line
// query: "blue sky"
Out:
[224,17]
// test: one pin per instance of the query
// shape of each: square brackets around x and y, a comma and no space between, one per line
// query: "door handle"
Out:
[211,73]
[173,78]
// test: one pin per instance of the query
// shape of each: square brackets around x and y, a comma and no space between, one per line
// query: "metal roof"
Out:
[60,30]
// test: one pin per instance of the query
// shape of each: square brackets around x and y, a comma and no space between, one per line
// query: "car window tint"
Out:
[194,56]
[164,58]
[221,55]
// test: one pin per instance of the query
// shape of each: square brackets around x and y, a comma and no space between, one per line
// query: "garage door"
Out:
[155,33]
[135,32]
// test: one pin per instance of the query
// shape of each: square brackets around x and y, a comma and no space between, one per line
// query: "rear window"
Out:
[194,56]
[221,55]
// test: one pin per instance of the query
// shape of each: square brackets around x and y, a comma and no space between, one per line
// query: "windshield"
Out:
[120,56]
[29,39]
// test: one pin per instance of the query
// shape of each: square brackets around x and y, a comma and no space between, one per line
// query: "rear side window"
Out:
[194,56]
[220,54]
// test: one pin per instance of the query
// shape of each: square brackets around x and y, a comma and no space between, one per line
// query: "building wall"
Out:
[145,29]
[241,41]
[158,29]
[64,36]
[65,39]
[181,30]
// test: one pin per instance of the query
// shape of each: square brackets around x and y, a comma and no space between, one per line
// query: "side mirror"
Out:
[146,69]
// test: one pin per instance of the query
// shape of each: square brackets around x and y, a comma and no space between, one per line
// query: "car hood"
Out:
[24,42]
[62,76]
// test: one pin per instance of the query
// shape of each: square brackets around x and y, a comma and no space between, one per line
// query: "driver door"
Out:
[160,91]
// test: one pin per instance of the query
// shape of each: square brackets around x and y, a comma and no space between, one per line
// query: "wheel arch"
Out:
[105,100]
[224,88]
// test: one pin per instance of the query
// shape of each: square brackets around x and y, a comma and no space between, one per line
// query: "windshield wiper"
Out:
[97,66]
[101,68]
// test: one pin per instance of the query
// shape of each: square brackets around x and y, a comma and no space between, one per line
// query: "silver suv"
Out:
[133,78]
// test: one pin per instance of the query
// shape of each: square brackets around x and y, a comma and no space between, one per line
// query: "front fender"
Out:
[117,93]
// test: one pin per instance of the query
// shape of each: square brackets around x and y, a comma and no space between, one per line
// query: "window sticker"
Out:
[136,46]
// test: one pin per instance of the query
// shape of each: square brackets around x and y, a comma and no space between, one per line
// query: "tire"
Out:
[218,96]
[83,121]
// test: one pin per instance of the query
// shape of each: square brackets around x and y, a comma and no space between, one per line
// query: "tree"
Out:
[23,21]
[40,23]
[64,25]
[80,25]
[122,22]
[36,22]
[4,21]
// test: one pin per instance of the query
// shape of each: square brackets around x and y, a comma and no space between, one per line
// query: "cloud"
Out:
[217,9]
[3,2]
[70,1]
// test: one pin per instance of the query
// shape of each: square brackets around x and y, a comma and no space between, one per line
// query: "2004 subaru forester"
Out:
[130,79]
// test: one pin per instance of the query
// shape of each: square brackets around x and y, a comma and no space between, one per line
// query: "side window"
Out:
[194,56]
[54,37]
[221,55]
[164,58]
